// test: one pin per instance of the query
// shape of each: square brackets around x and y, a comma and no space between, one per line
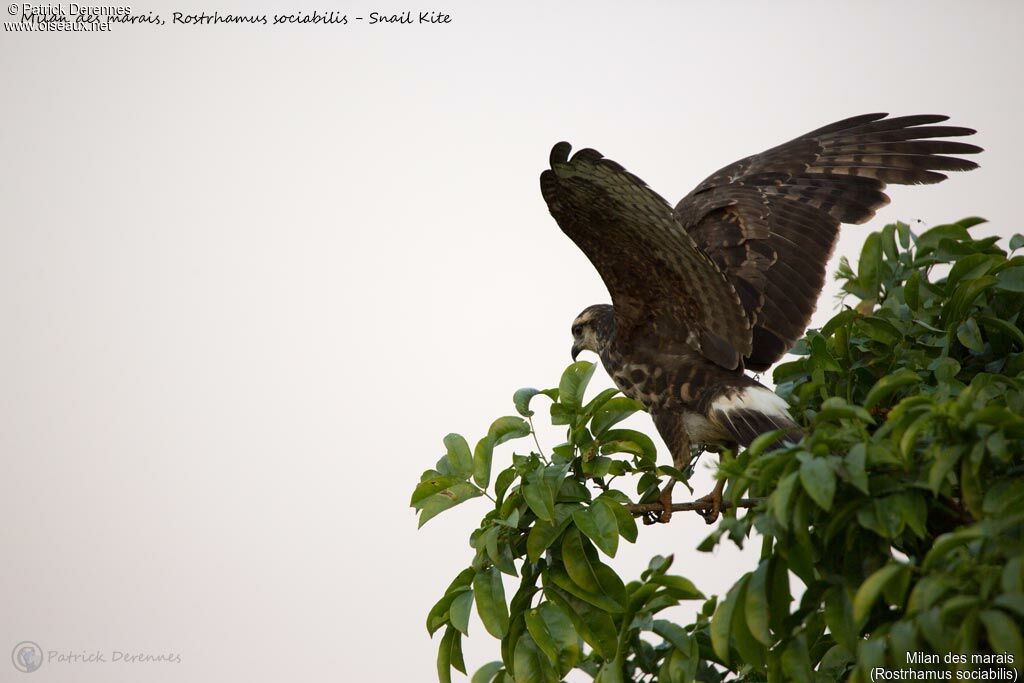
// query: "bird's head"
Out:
[592,330]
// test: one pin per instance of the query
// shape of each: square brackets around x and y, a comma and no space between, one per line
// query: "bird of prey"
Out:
[728,279]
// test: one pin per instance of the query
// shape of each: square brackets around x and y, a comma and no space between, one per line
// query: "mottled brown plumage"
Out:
[728,279]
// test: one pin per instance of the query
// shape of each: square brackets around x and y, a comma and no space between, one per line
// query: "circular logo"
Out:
[27,656]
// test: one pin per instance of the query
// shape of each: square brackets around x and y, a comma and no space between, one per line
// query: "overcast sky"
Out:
[250,276]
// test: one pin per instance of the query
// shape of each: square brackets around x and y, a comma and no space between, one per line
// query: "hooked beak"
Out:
[576,351]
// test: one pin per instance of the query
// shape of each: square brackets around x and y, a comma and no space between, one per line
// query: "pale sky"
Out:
[250,276]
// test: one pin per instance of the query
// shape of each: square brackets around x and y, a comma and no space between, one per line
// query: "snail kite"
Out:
[727,280]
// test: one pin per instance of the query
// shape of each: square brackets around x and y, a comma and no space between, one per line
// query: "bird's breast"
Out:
[640,381]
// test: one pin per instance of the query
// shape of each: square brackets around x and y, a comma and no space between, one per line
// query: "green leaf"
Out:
[444,655]
[531,665]
[543,534]
[588,572]
[796,661]
[521,399]
[820,358]
[889,242]
[459,611]
[912,291]
[487,672]
[888,385]
[756,607]
[459,456]
[596,403]
[1012,579]
[721,622]
[449,498]
[879,329]
[503,481]
[970,335]
[791,370]
[598,523]
[678,587]
[963,298]
[970,487]
[856,472]
[680,666]
[594,625]
[614,411]
[431,485]
[554,633]
[572,491]
[557,575]
[1016,242]
[623,518]
[870,656]
[540,490]
[971,221]
[835,409]
[767,441]
[672,633]
[1003,634]
[997,326]
[439,614]
[502,430]
[629,441]
[509,427]
[499,553]
[1013,602]
[560,415]
[819,480]
[490,601]
[1011,279]
[779,597]
[869,269]
[931,238]
[782,496]
[945,369]
[946,543]
[482,456]
[659,564]
[971,266]
[871,589]
[748,648]
[611,672]
[839,617]
[573,383]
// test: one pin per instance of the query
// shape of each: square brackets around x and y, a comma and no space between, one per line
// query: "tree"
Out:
[901,511]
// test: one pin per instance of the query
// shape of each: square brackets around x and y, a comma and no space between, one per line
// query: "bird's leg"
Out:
[665,516]
[681,457]
[673,431]
[714,503]
[713,500]
[666,502]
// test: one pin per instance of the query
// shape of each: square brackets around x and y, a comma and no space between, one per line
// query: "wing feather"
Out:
[664,289]
[784,207]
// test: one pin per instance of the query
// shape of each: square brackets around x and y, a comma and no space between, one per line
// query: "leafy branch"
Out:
[901,512]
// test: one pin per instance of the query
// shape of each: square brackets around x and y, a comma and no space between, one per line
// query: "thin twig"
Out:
[540,451]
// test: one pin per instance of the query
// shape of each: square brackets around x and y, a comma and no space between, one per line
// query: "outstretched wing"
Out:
[770,221]
[666,292]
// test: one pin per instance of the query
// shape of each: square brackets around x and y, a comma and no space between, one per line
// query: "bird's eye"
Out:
[576,329]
